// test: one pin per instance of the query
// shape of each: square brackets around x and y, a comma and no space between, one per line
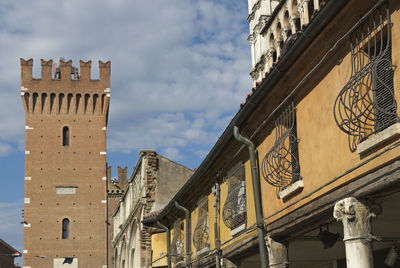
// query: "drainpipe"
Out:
[257,195]
[188,226]
[168,243]
[216,232]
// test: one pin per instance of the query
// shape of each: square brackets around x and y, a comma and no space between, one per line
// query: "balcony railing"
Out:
[234,211]
[280,166]
[366,105]
[200,234]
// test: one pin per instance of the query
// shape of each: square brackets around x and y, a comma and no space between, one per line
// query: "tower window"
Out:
[65,138]
[65,229]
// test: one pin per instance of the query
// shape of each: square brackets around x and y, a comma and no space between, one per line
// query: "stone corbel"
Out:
[250,17]
[262,21]
[254,74]
[269,53]
[257,28]
[251,38]
[257,5]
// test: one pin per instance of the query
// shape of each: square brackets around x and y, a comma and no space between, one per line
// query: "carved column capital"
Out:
[355,216]
[277,253]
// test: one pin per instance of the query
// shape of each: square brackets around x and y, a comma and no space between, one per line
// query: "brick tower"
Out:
[65,165]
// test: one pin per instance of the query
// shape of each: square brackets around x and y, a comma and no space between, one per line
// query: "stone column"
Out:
[355,217]
[277,253]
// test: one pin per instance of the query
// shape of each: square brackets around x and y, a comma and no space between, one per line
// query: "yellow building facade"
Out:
[322,123]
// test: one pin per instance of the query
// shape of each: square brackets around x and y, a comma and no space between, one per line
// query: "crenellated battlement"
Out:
[64,73]
[65,90]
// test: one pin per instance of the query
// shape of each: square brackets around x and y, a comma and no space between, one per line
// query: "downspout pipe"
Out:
[168,243]
[257,196]
[188,232]
[216,231]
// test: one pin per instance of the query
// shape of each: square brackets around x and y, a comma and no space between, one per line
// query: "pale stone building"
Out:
[154,181]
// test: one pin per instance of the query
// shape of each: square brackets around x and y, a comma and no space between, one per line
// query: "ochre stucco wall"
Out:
[323,148]
[159,247]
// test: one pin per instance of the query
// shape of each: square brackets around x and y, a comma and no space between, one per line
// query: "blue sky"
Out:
[180,69]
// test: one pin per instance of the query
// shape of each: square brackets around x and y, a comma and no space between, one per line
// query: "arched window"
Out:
[65,229]
[65,137]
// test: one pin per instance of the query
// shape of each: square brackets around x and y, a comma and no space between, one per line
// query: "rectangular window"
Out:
[366,105]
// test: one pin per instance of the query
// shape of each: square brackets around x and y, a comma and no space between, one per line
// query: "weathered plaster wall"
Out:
[159,246]
[172,177]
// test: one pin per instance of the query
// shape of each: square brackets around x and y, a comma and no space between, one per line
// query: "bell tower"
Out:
[65,165]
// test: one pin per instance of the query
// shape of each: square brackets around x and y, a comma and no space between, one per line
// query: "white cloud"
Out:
[179,67]
[179,71]
[5,149]
[171,153]
[202,153]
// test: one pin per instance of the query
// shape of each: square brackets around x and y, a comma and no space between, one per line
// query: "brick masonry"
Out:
[82,106]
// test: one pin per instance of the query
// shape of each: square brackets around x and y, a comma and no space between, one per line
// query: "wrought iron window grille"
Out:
[200,234]
[280,166]
[234,210]
[366,105]
[178,245]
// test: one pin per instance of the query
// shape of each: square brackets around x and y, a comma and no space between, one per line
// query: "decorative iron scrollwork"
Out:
[366,104]
[200,234]
[177,248]
[234,211]
[280,166]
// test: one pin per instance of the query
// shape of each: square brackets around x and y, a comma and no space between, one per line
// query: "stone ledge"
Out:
[291,189]
[238,229]
[379,138]
[203,251]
